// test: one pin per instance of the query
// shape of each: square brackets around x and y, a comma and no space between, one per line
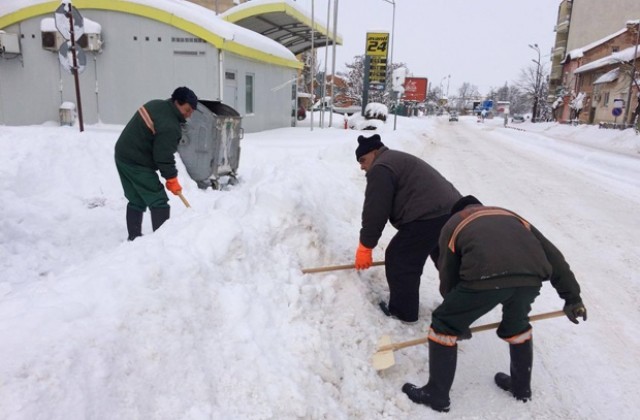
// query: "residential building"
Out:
[582,22]
[598,75]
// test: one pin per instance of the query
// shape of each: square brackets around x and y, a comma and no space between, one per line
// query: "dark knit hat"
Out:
[464,202]
[185,95]
[367,144]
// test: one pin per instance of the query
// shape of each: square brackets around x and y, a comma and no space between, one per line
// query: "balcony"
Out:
[562,27]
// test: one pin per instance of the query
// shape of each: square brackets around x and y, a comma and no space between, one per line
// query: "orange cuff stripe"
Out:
[520,338]
[147,119]
[445,340]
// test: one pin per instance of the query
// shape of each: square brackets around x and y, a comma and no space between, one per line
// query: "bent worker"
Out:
[415,199]
[491,256]
[148,144]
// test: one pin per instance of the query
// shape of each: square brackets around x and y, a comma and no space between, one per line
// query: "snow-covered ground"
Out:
[211,317]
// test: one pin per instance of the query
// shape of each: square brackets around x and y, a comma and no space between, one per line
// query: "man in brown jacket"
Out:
[415,199]
[491,256]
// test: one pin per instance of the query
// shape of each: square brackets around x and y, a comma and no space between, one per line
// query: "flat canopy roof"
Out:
[283,22]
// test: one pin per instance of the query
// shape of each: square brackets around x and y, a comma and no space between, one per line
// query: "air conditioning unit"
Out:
[52,40]
[91,42]
[9,43]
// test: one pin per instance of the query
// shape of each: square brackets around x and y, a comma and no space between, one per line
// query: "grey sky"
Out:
[483,42]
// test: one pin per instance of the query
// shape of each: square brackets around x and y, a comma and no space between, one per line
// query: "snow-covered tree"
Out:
[534,81]
[576,105]
[355,81]
[518,101]
[466,94]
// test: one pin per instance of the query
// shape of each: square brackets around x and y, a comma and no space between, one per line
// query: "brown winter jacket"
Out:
[402,188]
[486,248]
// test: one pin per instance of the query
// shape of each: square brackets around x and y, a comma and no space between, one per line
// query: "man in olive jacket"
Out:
[415,199]
[491,256]
[148,144]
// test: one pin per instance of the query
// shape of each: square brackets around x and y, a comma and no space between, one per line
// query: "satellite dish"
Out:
[65,55]
[63,25]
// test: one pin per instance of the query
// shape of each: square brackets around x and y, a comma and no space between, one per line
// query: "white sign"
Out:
[65,55]
[64,26]
[618,103]
[398,76]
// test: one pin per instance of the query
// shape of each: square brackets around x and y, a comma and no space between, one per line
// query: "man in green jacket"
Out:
[491,256]
[148,144]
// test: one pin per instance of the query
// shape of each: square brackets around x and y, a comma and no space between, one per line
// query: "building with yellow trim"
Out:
[136,50]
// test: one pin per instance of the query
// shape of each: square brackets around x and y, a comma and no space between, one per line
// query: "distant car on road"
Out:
[517,118]
[453,116]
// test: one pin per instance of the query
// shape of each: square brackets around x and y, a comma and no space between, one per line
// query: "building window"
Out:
[605,102]
[248,103]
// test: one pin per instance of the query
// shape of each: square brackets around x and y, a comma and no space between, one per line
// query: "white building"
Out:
[137,50]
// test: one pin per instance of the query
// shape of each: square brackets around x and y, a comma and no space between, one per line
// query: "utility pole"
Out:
[396,99]
[632,75]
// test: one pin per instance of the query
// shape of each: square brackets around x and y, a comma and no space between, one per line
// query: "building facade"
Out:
[597,77]
[140,51]
[580,23]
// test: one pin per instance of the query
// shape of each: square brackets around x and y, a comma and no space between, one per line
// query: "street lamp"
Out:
[390,64]
[393,24]
[534,117]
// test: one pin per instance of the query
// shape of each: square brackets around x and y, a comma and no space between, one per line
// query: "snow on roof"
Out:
[608,77]
[319,23]
[285,21]
[617,57]
[184,15]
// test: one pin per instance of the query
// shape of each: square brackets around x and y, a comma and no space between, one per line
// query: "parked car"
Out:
[517,118]
[453,116]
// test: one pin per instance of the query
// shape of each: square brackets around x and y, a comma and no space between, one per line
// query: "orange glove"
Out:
[174,186]
[363,257]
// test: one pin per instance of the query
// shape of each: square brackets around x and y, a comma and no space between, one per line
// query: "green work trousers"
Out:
[142,186]
[462,307]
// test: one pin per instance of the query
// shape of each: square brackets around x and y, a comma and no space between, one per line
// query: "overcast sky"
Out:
[484,42]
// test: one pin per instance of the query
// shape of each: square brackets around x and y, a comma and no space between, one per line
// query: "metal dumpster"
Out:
[210,144]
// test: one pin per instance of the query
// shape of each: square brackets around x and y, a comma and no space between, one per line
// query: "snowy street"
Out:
[211,317]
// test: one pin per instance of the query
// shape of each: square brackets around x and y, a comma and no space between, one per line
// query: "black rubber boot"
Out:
[442,370]
[134,223]
[159,215]
[385,310]
[519,383]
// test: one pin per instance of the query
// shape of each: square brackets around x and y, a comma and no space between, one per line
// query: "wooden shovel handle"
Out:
[417,341]
[184,200]
[335,267]
[538,317]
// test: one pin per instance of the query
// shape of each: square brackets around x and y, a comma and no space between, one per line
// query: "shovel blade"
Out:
[384,359]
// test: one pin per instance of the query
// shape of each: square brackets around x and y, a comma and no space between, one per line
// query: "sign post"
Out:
[375,76]
[616,112]
[398,77]
[70,24]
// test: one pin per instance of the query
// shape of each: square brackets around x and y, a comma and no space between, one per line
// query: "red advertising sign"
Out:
[415,89]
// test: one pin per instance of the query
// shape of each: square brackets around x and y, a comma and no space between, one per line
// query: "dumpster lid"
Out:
[219,108]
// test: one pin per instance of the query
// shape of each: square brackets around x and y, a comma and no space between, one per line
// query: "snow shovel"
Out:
[184,200]
[383,357]
[335,267]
